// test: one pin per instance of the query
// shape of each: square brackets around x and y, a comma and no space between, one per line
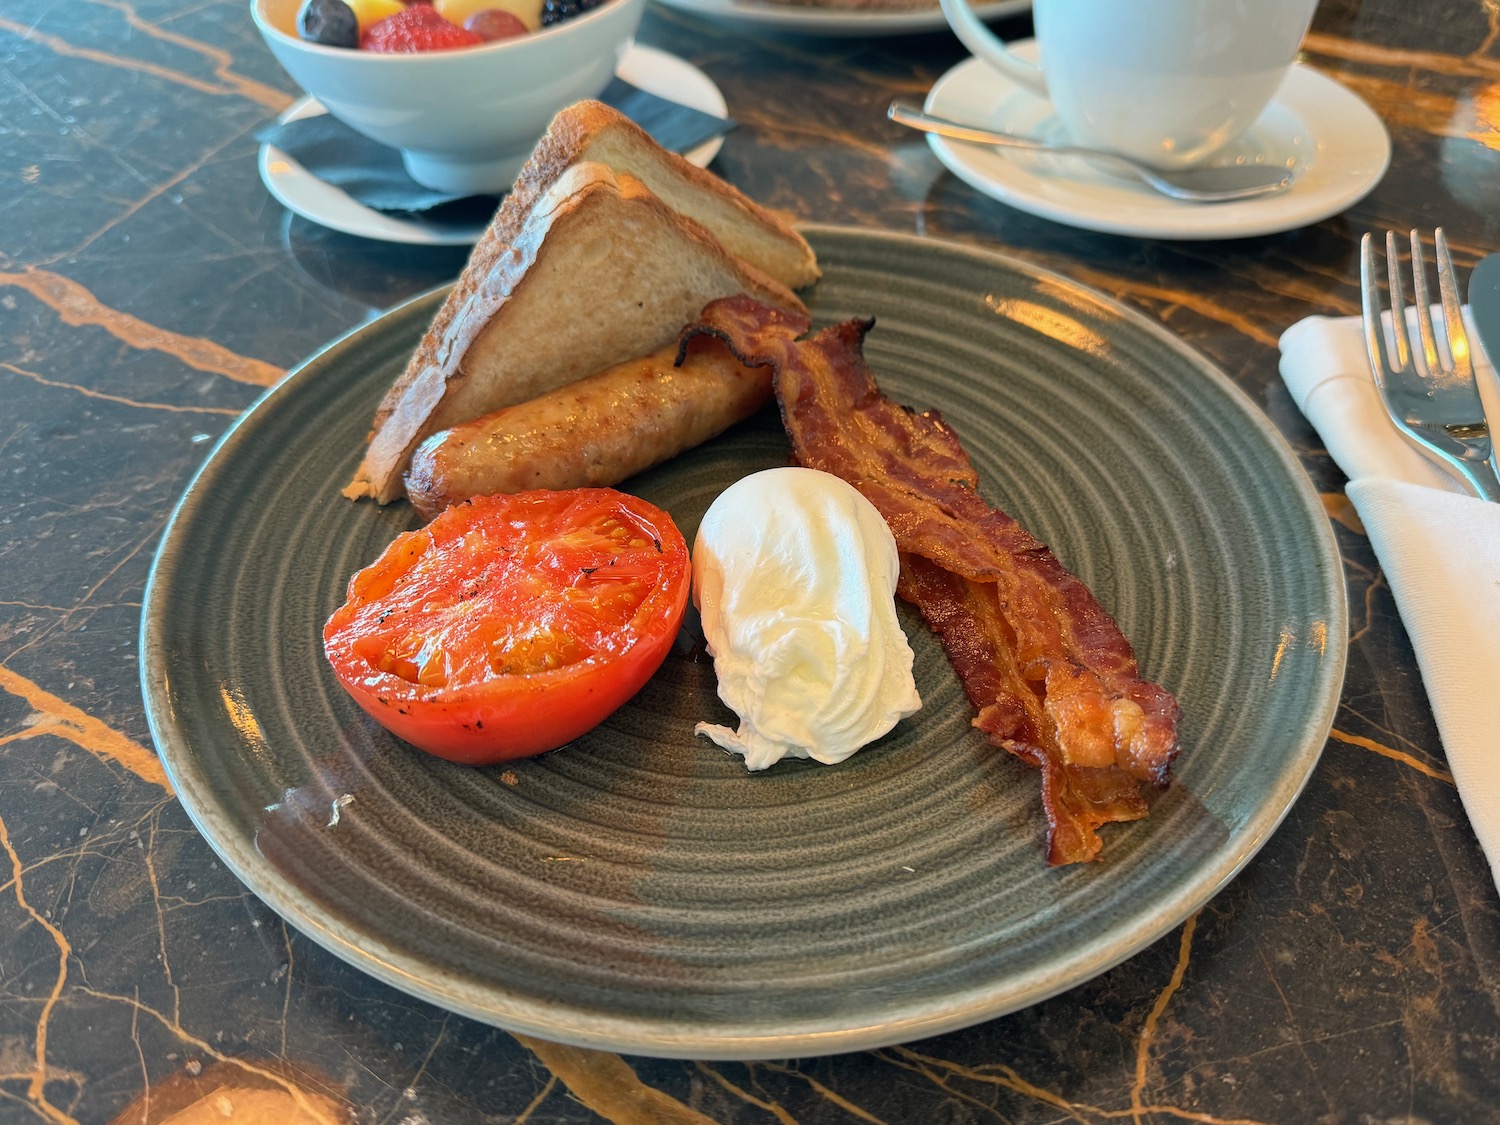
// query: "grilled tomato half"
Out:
[511,625]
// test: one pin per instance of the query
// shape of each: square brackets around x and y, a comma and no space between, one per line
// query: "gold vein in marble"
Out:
[1005,1077]
[779,1112]
[1373,591]
[437,1039]
[314,1108]
[537,1099]
[1153,1018]
[15,1054]
[1396,101]
[1402,108]
[286,989]
[89,392]
[1486,124]
[828,1094]
[937,1071]
[1340,510]
[1389,752]
[36,1090]
[57,717]
[76,307]
[161,925]
[1401,58]
[229,83]
[606,1084]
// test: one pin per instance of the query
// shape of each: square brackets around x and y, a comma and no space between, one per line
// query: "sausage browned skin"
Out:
[595,432]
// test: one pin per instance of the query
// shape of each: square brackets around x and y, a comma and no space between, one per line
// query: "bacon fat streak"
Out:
[1050,675]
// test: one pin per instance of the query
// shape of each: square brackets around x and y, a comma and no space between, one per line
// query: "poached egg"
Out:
[794,575]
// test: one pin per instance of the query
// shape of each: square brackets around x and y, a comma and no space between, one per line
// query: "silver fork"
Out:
[1435,404]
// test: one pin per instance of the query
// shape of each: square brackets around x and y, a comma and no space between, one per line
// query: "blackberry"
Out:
[555,11]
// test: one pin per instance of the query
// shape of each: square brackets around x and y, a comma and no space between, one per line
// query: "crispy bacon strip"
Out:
[1049,673]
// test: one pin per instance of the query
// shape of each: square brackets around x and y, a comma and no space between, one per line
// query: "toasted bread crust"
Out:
[516,329]
[765,241]
[591,130]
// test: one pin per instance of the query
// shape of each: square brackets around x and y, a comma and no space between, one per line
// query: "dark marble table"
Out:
[150,290]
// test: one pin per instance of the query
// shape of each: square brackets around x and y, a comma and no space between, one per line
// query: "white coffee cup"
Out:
[1169,82]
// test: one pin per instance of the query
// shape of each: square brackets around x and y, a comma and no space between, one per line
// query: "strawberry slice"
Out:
[417,28]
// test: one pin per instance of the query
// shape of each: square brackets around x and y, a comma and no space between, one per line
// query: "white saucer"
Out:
[299,191]
[809,19]
[1340,146]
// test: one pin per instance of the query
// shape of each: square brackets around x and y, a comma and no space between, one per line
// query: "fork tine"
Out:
[1378,341]
[1427,358]
[1453,317]
[1399,336]
[1369,299]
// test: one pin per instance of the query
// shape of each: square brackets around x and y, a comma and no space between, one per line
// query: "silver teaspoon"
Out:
[1197,185]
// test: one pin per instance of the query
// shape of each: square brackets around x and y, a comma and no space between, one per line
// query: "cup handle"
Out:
[981,41]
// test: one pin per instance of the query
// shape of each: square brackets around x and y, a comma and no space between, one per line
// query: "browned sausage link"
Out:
[594,432]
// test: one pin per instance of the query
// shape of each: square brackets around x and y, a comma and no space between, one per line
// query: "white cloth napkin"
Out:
[1439,548]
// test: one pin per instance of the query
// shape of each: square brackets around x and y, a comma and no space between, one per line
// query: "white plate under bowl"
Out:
[810,19]
[1339,145]
[303,193]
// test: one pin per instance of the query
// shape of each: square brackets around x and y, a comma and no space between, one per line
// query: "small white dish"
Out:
[405,99]
[813,20]
[1339,145]
[303,193]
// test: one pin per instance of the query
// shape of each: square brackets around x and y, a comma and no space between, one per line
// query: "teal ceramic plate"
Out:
[638,890]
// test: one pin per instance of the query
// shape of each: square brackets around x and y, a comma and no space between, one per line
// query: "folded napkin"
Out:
[373,174]
[1438,545]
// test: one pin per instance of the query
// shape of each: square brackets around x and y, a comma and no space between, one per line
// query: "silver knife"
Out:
[1484,308]
[1484,305]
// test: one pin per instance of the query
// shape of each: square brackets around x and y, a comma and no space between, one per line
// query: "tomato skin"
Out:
[583,591]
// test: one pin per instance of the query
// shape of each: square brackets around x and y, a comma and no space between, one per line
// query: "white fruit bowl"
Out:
[466,119]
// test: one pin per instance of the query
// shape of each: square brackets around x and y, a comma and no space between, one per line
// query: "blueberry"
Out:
[331,23]
[555,11]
